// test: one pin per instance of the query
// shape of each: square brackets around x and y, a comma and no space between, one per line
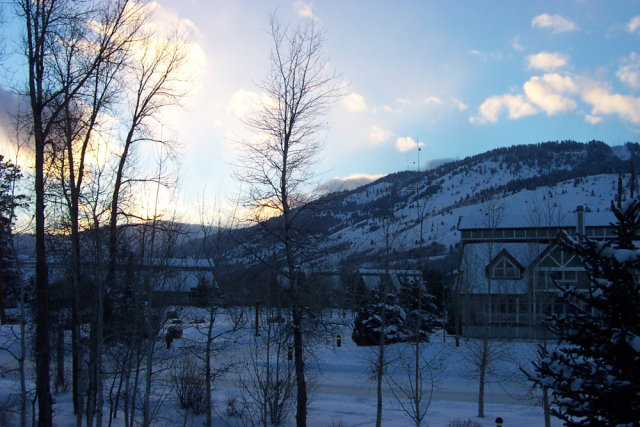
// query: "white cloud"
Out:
[516,106]
[461,106]
[406,143]
[515,44]
[605,102]
[547,61]
[385,108]
[485,56]
[434,163]
[556,23]
[634,24]
[433,100]
[379,135]
[354,102]
[348,183]
[629,73]
[403,101]
[594,120]
[303,9]
[546,93]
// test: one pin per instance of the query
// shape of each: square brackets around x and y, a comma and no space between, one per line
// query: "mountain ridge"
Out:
[553,177]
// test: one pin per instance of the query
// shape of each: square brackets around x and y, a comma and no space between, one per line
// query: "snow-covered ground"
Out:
[342,391]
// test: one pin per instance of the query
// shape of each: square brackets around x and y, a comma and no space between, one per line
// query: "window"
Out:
[505,269]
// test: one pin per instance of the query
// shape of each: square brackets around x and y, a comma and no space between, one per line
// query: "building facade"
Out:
[510,271]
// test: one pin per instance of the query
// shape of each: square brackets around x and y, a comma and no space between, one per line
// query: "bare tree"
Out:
[268,378]
[154,83]
[483,355]
[76,136]
[215,245]
[414,391]
[51,28]
[278,162]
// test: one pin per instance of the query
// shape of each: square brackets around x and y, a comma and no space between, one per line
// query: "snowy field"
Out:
[342,392]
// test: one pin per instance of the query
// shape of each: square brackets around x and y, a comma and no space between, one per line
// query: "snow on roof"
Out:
[568,220]
[372,278]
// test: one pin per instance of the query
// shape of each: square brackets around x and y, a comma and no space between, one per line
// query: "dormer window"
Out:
[504,269]
[504,266]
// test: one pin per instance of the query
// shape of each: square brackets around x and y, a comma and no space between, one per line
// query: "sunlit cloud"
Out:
[304,9]
[516,106]
[379,135]
[556,23]
[605,102]
[629,73]
[634,24]
[406,143]
[403,101]
[354,102]
[550,93]
[547,61]
[244,103]
[547,92]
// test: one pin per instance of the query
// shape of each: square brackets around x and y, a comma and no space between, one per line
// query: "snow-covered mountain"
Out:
[533,183]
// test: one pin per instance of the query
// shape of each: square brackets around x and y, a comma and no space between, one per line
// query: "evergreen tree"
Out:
[594,372]
[9,202]
[408,310]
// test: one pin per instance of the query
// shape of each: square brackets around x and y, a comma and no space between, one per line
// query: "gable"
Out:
[555,257]
[505,267]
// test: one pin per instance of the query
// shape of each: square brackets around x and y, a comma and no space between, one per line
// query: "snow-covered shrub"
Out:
[189,384]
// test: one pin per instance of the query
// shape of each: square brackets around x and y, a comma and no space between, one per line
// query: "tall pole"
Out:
[257,318]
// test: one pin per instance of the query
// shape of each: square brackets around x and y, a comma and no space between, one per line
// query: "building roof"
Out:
[568,220]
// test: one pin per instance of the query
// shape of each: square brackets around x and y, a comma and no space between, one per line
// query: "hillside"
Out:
[534,182]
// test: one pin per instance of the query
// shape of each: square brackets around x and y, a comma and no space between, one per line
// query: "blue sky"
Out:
[459,77]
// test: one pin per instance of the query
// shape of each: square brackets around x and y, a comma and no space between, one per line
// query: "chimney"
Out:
[580,223]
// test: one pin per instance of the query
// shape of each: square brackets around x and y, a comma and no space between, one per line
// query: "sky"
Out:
[456,78]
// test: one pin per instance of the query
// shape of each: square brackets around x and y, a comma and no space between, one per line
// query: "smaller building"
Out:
[509,272]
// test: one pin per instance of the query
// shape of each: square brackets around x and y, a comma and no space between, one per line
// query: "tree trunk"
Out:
[99,350]
[207,361]
[483,373]
[380,364]
[43,321]
[23,352]
[301,404]
[146,414]
[60,355]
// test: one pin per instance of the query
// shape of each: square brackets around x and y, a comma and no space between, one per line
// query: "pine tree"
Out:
[408,310]
[9,202]
[594,372]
